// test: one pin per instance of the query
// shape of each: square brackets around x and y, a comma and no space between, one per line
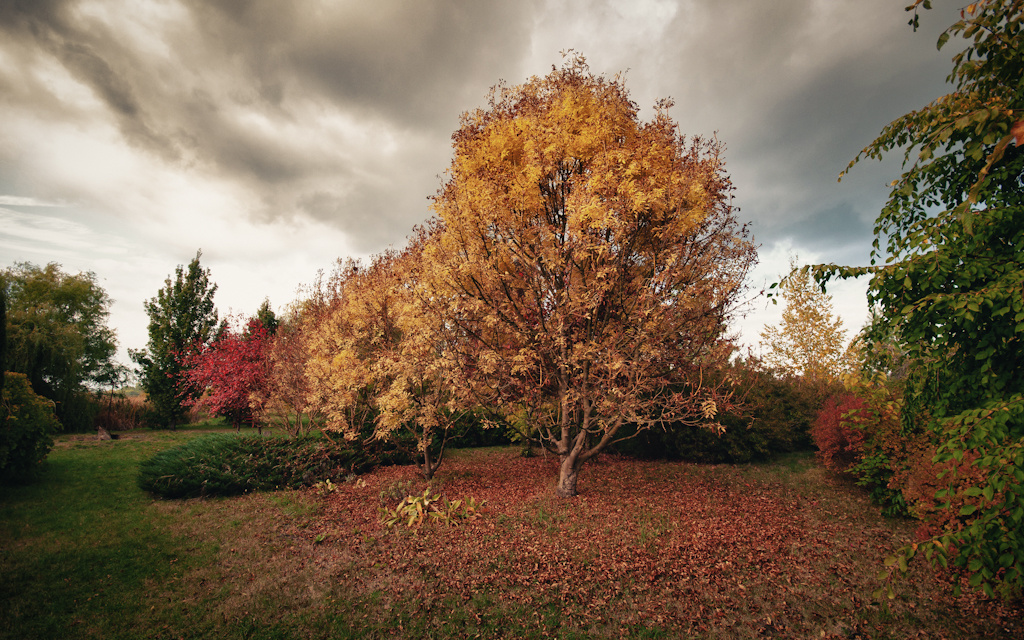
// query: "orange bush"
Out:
[839,443]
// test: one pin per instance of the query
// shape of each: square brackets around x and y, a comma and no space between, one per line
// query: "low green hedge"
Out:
[221,464]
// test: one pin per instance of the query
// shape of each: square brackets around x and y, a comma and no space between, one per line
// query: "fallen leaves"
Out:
[680,547]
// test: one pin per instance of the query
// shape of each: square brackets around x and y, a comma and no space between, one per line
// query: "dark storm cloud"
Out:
[236,89]
[419,62]
[795,90]
[416,64]
[298,131]
[361,214]
[407,67]
[90,54]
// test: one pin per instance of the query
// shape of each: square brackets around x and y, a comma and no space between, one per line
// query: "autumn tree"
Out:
[810,341]
[224,375]
[285,398]
[382,347]
[57,335]
[181,317]
[952,240]
[591,260]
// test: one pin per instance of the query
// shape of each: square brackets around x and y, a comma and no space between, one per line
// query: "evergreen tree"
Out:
[181,318]
[267,318]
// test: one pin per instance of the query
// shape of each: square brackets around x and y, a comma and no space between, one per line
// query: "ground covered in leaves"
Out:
[648,549]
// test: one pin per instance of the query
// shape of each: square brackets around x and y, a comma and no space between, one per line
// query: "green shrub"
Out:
[473,432]
[222,464]
[77,412]
[26,435]
[776,418]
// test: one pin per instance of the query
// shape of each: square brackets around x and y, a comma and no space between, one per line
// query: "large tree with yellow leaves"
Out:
[588,262]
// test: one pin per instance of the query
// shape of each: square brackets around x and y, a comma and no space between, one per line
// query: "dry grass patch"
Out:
[650,549]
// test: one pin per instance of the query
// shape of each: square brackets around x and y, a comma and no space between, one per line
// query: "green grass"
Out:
[83,546]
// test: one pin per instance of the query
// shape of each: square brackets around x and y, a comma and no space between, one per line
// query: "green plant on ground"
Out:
[413,510]
[222,465]
[26,434]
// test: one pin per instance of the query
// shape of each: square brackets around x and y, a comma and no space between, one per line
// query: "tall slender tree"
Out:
[182,317]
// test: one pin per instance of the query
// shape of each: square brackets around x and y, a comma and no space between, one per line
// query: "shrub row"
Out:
[859,432]
[775,417]
[222,464]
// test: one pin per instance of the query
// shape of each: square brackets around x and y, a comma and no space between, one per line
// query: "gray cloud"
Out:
[223,80]
[92,55]
[795,90]
[337,116]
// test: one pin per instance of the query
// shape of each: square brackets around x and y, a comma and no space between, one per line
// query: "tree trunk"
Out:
[427,467]
[568,473]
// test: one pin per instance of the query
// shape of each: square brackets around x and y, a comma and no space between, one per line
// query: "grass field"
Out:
[649,550]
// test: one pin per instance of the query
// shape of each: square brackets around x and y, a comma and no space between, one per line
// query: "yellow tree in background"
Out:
[589,261]
[810,341]
[378,349]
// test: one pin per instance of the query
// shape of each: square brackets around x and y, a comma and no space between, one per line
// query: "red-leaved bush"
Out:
[229,371]
[839,442]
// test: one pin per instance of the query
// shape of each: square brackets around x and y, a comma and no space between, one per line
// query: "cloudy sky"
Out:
[278,136]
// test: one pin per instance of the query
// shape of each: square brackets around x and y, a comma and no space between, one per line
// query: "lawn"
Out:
[649,549]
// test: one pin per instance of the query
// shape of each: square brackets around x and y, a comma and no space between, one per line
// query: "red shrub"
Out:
[839,443]
[228,372]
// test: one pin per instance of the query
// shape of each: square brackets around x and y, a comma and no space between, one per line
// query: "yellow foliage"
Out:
[591,260]
[379,349]
[809,342]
